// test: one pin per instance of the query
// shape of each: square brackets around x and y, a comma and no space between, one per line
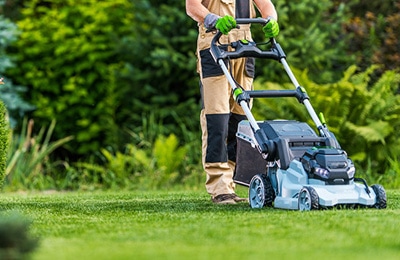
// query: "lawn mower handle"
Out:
[244,48]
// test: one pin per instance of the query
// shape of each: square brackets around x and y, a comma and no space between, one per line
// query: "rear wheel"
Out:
[308,199]
[380,196]
[261,192]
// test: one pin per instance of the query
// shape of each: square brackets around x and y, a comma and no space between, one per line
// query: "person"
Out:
[220,115]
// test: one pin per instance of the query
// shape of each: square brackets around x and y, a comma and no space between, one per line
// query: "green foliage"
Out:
[8,35]
[169,157]
[28,164]
[97,66]
[4,141]
[122,72]
[10,94]
[313,38]
[16,242]
[364,115]
[376,28]
[11,8]
[69,66]
[160,62]
[391,178]
[135,168]
[16,106]
[360,8]
[151,161]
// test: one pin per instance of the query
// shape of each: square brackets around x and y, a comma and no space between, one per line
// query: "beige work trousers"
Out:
[218,104]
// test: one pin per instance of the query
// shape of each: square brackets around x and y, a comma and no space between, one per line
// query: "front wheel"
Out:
[308,199]
[380,196]
[261,192]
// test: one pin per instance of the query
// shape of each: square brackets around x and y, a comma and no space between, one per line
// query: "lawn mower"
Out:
[285,163]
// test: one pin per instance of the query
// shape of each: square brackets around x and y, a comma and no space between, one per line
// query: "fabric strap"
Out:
[242,9]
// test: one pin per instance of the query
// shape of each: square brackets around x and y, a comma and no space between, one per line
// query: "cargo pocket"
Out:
[250,67]
[209,68]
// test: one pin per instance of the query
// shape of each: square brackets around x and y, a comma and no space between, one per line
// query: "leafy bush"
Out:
[151,161]
[312,37]
[160,63]
[69,66]
[8,35]
[102,68]
[10,94]
[363,114]
[4,136]
[15,105]
[97,66]
[162,166]
[16,242]
[376,40]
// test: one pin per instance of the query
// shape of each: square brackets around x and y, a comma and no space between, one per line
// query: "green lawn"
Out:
[186,225]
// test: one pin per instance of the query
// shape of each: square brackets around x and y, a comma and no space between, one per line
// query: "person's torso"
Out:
[234,8]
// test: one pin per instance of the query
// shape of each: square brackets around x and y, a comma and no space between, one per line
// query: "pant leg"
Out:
[219,118]
[214,120]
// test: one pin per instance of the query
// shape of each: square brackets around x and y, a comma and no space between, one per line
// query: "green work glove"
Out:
[225,24]
[271,29]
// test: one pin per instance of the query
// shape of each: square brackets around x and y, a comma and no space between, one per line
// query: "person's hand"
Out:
[271,29]
[225,24]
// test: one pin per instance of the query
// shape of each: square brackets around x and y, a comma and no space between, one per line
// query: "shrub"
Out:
[162,166]
[9,93]
[4,140]
[313,38]
[376,38]
[97,66]
[66,54]
[16,242]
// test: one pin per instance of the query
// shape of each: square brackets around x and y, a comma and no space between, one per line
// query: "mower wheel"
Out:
[308,199]
[261,192]
[380,196]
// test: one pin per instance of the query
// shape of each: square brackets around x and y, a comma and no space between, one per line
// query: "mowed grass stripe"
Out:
[186,225]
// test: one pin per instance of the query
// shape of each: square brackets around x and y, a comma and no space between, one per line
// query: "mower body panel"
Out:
[292,180]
